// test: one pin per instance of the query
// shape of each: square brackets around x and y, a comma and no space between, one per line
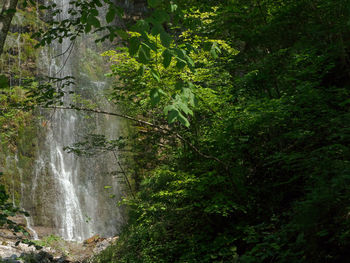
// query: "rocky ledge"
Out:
[61,251]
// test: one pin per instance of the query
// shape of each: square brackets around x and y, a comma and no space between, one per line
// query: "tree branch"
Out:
[124,173]
[177,135]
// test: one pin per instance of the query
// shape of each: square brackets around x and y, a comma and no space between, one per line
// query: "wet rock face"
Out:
[67,192]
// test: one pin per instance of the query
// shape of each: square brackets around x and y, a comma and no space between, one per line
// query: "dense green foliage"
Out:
[17,127]
[262,173]
[241,152]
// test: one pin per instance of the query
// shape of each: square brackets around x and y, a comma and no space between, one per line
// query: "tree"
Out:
[7,12]
[274,112]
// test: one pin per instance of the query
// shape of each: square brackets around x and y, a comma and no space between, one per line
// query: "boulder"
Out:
[92,240]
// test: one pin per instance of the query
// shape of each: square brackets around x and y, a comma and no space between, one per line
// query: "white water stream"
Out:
[67,192]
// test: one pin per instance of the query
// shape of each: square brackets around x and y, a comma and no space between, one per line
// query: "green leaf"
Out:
[173,7]
[110,14]
[190,61]
[111,36]
[165,38]
[134,44]
[98,3]
[141,26]
[160,16]
[172,116]
[183,120]
[214,50]
[169,108]
[94,12]
[190,85]
[87,29]
[107,187]
[155,75]
[150,45]
[155,96]
[83,18]
[180,53]
[179,85]
[144,54]
[167,56]
[183,107]
[157,29]
[92,20]
[154,3]
[141,70]
[180,63]
[123,34]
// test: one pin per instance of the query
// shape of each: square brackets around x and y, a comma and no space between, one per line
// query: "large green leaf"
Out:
[155,96]
[111,14]
[134,44]
[141,26]
[93,21]
[86,30]
[165,38]
[94,12]
[167,55]
[183,120]
[172,116]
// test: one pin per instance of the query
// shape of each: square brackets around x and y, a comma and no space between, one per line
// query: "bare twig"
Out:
[70,48]
[125,175]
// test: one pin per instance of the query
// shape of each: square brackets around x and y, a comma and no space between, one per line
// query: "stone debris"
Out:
[93,240]
[102,245]
[75,253]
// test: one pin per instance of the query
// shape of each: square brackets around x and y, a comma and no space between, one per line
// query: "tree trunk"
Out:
[6,15]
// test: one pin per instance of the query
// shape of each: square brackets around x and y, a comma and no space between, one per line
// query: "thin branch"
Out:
[70,48]
[125,175]
[177,135]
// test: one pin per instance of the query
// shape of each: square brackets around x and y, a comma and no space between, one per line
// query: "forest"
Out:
[235,116]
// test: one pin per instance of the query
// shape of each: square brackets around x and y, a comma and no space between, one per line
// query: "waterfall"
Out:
[18,40]
[67,192]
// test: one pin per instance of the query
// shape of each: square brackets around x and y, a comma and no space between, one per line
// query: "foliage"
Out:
[275,112]
[55,242]
[251,163]
[16,126]
[8,210]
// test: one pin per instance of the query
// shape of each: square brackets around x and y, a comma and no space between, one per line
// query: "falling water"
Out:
[68,194]
[31,229]
[18,40]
